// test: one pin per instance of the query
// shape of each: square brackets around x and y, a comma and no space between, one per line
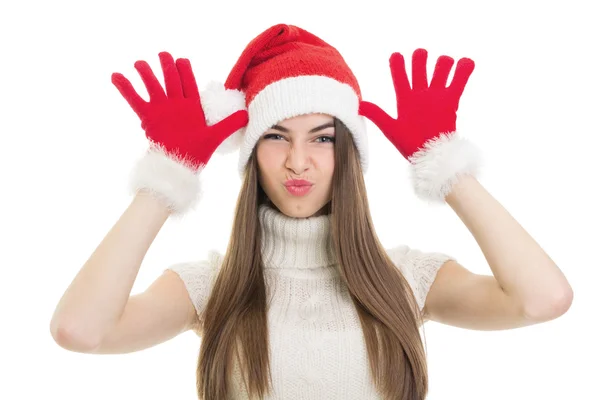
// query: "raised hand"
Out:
[424,111]
[174,120]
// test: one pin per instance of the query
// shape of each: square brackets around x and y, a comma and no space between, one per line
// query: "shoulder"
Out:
[205,266]
[408,258]
[419,267]
[198,277]
[405,256]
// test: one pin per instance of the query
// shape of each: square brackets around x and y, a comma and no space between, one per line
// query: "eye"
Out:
[331,139]
[270,135]
[328,138]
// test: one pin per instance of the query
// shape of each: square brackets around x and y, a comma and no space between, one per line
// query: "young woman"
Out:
[305,303]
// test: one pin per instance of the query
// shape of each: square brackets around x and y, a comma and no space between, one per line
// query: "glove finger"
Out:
[442,70]
[400,79]
[172,80]
[153,86]
[419,69]
[188,80]
[379,117]
[128,92]
[225,128]
[464,69]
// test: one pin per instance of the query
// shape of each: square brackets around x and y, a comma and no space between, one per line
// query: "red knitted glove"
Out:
[181,141]
[423,112]
[175,120]
[424,131]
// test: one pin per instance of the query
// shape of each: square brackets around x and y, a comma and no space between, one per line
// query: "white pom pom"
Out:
[218,103]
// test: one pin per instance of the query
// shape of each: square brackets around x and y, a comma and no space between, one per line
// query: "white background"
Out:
[69,140]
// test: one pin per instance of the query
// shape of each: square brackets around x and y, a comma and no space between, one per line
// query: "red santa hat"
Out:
[285,72]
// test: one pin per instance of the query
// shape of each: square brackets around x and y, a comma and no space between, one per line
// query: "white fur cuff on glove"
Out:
[438,166]
[173,182]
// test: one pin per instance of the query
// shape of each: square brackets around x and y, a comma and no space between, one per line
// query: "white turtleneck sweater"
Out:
[317,345]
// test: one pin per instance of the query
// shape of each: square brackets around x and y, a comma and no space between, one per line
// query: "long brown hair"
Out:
[235,317]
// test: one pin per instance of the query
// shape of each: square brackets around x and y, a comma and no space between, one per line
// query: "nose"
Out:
[298,159]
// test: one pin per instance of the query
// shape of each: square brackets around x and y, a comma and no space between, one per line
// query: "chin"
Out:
[299,209]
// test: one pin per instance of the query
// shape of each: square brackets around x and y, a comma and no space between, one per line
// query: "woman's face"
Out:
[298,148]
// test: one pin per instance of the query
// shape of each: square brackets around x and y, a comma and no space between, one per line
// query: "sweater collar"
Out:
[295,243]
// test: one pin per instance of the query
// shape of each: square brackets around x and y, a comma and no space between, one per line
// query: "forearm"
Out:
[520,265]
[97,296]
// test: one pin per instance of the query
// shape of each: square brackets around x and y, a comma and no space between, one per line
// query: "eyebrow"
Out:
[313,130]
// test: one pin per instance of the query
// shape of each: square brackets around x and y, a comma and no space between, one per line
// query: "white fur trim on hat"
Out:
[300,95]
[439,164]
[173,182]
[218,103]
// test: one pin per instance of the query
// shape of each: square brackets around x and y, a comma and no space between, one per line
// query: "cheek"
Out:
[266,160]
[267,156]
[326,162]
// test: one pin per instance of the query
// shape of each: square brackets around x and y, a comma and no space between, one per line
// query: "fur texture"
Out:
[438,165]
[173,181]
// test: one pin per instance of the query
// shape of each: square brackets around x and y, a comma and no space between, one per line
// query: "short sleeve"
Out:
[419,268]
[198,278]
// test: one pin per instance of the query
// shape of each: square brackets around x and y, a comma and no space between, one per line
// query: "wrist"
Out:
[440,163]
[152,203]
[171,181]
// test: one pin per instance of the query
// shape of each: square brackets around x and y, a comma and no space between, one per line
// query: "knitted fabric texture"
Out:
[317,344]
